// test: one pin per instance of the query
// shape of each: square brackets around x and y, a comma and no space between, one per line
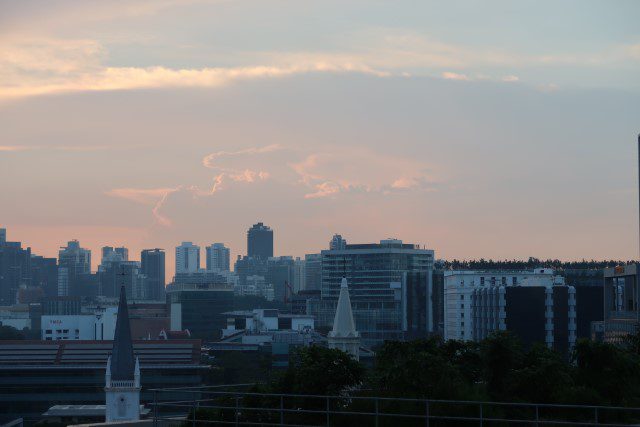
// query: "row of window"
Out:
[59,331]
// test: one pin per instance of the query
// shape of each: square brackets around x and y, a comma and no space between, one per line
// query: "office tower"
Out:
[312,271]
[621,310]
[44,274]
[299,275]
[110,253]
[218,257]
[15,270]
[153,267]
[116,274]
[337,243]
[375,275]
[198,307]
[247,266]
[280,272]
[3,236]
[187,258]
[260,241]
[73,261]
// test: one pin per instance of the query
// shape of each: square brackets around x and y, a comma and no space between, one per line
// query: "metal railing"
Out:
[205,406]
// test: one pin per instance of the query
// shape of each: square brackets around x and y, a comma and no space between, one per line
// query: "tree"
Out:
[319,370]
[501,354]
[10,333]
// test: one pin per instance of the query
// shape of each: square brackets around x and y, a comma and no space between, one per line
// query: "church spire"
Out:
[123,362]
[343,324]
[344,336]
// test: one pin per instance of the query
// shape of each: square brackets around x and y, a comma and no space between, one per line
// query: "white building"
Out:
[459,287]
[266,320]
[98,326]
[16,316]
[187,258]
[218,257]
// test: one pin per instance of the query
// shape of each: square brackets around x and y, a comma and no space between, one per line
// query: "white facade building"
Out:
[187,258]
[459,287]
[218,257]
[98,326]
[266,320]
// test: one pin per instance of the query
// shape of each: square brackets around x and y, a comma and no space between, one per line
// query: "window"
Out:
[462,297]
[462,306]
[514,280]
[48,331]
[462,315]
[504,280]
[482,280]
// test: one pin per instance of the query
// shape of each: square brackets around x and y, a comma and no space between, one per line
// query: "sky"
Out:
[492,129]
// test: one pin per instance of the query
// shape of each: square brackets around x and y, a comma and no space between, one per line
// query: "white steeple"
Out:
[344,336]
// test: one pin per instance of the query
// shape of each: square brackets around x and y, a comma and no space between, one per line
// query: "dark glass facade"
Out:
[260,241]
[153,267]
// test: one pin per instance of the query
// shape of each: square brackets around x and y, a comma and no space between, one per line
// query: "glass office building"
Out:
[375,275]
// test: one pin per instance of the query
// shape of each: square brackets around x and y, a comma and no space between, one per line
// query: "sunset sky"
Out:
[493,129]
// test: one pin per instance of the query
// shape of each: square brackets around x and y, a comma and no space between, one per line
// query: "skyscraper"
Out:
[375,273]
[218,257]
[187,258]
[109,252]
[3,236]
[153,266]
[337,243]
[260,241]
[73,261]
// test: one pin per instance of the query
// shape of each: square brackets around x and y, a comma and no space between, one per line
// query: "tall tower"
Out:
[187,258]
[260,241]
[344,336]
[122,379]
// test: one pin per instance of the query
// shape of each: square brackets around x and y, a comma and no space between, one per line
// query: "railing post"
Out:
[377,411]
[537,416]
[327,411]
[237,410]
[155,408]
[281,410]
[481,421]
[193,421]
[596,415]
[426,411]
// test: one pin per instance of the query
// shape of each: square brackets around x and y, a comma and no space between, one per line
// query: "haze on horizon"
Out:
[480,129]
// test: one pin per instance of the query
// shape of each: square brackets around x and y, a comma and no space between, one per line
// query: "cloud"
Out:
[448,75]
[209,160]
[510,79]
[155,197]
[13,148]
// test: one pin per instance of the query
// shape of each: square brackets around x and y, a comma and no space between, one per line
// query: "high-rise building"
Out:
[198,307]
[117,274]
[73,261]
[15,270]
[375,275]
[218,257]
[299,275]
[153,267]
[187,258]
[337,243]
[44,274]
[621,302]
[280,274]
[260,241]
[312,272]
[110,253]
[3,236]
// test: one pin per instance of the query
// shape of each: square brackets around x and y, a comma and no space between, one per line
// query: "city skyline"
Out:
[504,131]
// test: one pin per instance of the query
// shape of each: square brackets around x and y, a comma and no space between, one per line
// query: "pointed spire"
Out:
[343,324]
[122,364]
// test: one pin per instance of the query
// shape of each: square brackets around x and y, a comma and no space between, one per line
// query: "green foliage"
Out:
[10,333]
[319,370]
